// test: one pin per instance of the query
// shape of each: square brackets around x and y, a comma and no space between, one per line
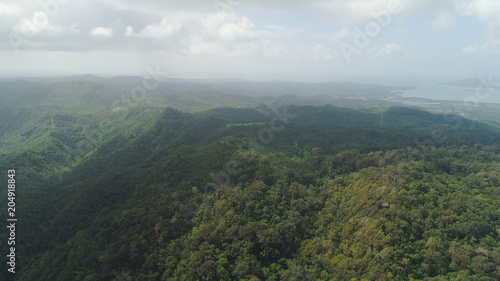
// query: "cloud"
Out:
[345,33]
[38,23]
[183,30]
[9,10]
[167,27]
[443,21]
[129,31]
[354,10]
[469,49]
[342,11]
[197,34]
[321,52]
[244,30]
[393,51]
[192,34]
[202,48]
[101,32]
[488,11]
[473,49]
[278,31]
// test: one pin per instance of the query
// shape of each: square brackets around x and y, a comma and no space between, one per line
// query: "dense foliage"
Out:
[349,216]
[246,194]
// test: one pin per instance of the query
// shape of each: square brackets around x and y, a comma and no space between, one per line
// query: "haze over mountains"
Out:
[266,88]
[240,86]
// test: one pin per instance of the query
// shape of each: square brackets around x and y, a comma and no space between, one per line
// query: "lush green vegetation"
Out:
[252,193]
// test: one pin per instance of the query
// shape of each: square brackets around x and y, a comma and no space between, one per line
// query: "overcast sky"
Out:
[315,40]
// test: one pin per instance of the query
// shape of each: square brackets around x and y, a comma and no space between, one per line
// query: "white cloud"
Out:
[167,27]
[343,11]
[394,51]
[357,10]
[192,34]
[473,49]
[221,34]
[469,49]
[278,31]
[129,31]
[9,10]
[213,21]
[345,33]
[488,11]
[101,32]
[38,23]
[244,30]
[321,52]
[444,20]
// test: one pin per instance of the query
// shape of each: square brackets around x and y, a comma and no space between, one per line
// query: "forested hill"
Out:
[258,193]
[49,143]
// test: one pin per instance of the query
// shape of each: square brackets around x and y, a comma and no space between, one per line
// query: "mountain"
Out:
[49,79]
[265,189]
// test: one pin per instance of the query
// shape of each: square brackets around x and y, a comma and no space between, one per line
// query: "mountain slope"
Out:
[276,194]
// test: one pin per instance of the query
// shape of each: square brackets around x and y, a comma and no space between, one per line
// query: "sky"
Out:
[386,41]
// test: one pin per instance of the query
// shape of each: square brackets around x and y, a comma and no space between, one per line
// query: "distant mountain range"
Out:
[228,86]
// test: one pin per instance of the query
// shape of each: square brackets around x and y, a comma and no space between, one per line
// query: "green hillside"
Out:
[249,192]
